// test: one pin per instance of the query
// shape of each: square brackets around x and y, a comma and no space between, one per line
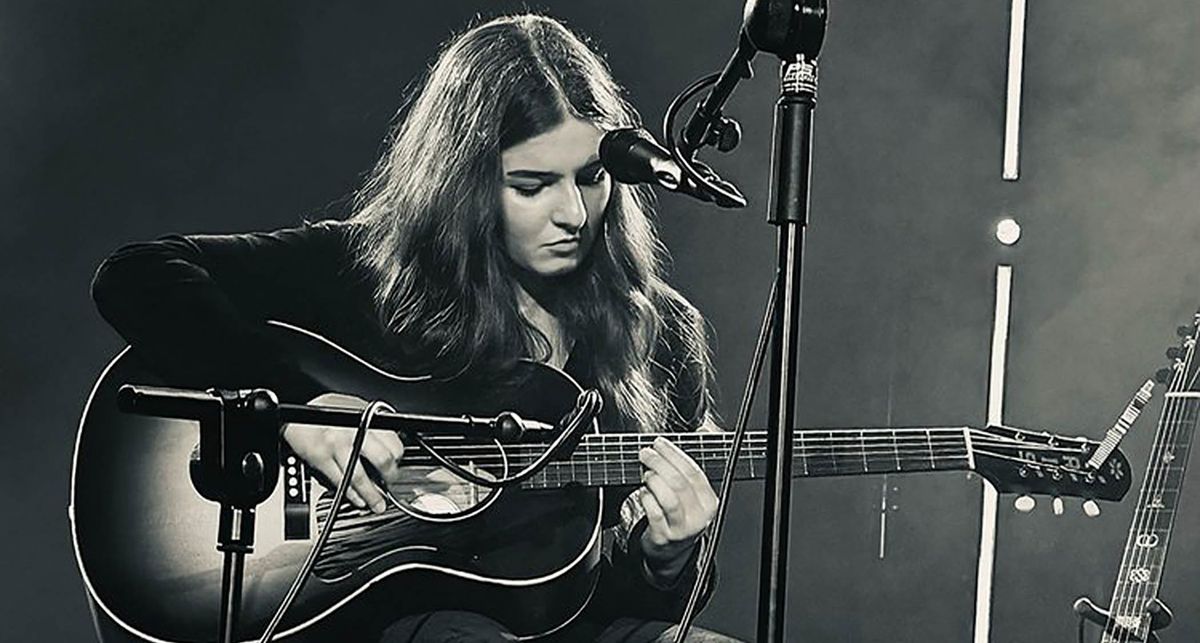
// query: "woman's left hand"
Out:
[679,504]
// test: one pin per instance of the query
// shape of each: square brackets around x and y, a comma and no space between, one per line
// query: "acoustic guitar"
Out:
[527,556]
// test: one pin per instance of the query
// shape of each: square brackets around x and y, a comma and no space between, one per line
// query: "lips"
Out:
[564,243]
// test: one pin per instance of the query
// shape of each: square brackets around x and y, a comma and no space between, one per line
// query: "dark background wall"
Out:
[123,121]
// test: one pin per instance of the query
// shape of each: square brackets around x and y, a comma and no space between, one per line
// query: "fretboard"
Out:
[1146,548]
[611,459]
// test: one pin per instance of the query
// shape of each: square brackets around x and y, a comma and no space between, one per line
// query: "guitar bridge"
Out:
[296,518]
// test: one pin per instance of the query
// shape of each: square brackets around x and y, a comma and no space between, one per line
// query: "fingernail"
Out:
[378,507]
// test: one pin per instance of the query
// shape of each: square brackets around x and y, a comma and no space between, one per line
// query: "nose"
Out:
[570,211]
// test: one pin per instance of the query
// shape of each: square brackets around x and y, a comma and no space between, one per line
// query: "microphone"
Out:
[632,156]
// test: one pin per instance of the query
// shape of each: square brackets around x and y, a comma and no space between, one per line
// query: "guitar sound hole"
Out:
[434,492]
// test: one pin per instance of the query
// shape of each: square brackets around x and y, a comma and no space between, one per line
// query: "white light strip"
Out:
[1012,111]
[995,415]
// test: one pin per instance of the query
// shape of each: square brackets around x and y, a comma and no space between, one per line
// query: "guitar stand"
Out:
[1160,616]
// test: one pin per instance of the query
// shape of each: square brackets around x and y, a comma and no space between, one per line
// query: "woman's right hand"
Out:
[327,449]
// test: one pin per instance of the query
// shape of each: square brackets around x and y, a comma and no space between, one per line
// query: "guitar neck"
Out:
[611,459]
[1146,548]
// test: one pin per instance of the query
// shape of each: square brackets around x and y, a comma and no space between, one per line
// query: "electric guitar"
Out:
[1136,611]
[527,557]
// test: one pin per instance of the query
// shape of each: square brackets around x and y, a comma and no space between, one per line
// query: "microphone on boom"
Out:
[632,156]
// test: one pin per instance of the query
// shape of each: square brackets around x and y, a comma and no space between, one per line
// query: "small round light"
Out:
[1008,231]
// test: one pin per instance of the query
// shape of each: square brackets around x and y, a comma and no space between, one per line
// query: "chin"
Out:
[555,267]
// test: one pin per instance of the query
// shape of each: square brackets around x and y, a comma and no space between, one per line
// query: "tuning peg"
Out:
[1024,504]
[1163,375]
[1175,352]
[1057,505]
[1091,508]
[1183,331]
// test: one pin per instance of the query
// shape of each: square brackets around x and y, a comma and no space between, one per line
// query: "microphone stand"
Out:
[789,213]
[793,30]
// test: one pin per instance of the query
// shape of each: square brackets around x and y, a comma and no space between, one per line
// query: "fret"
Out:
[929,443]
[862,447]
[896,450]
[625,462]
[587,466]
[832,453]
[802,451]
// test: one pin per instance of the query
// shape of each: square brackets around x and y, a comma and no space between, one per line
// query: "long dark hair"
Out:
[431,224]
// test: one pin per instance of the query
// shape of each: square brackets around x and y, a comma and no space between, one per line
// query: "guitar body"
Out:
[145,540]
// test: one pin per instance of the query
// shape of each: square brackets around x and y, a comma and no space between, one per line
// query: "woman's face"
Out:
[553,197]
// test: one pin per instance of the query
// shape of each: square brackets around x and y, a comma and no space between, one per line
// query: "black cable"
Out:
[714,529]
[587,406]
[306,568]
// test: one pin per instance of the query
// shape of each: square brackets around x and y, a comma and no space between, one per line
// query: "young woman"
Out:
[489,232]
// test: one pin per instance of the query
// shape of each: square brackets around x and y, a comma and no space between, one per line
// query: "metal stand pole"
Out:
[789,211]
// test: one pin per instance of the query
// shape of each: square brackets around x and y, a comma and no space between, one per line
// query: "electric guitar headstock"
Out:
[1028,462]
[1181,376]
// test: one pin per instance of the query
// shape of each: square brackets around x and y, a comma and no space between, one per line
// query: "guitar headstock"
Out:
[1183,372]
[1027,462]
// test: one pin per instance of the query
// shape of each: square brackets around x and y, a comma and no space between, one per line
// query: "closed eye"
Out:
[528,190]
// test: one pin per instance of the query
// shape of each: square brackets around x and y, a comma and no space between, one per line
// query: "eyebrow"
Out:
[551,176]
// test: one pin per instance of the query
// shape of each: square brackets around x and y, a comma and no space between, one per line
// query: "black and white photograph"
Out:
[620,321]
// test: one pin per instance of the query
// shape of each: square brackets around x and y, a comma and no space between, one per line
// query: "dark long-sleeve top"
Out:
[195,307]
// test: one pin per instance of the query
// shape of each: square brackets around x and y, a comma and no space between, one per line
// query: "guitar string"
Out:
[955,457]
[621,461]
[351,538]
[1132,602]
[918,446]
[348,537]
[593,456]
[854,448]
[592,444]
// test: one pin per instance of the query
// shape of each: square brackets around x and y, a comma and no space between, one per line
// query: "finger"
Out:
[666,497]
[391,441]
[680,460]
[333,473]
[656,519]
[699,483]
[697,480]
[355,499]
[654,461]
[360,482]
[671,476]
[380,456]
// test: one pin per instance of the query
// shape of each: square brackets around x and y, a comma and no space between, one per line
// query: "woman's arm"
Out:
[194,308]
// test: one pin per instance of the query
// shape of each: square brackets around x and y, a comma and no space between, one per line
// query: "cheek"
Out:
[597,203]
[522,220]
